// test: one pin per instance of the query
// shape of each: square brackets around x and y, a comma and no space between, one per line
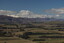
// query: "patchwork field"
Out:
[45,32]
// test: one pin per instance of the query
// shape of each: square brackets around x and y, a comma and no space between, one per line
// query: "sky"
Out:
[48,7]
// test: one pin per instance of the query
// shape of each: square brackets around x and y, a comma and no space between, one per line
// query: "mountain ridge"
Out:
[5,18]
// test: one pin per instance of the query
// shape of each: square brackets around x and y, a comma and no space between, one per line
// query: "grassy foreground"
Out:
[14,40]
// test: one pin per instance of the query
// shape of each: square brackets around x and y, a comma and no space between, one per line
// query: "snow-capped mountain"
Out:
[23,14]
[11,20]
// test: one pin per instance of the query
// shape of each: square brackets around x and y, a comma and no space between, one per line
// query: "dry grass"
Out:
[16,41]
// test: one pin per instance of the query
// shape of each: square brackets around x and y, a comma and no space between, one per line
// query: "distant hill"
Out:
[11,20]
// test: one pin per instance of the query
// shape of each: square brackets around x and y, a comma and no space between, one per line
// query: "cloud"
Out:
[55,11]
[29,14]
[25,14]
[6,12]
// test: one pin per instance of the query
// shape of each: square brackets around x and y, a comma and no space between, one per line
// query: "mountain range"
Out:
[10,20]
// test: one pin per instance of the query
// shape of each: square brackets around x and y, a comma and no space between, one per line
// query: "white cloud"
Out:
[13,16]
[55,11]
[29,14]
[25,13]
[6,12]
[57,15]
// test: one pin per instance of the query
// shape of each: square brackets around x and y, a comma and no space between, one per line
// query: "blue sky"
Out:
[32,5]
[36,6]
